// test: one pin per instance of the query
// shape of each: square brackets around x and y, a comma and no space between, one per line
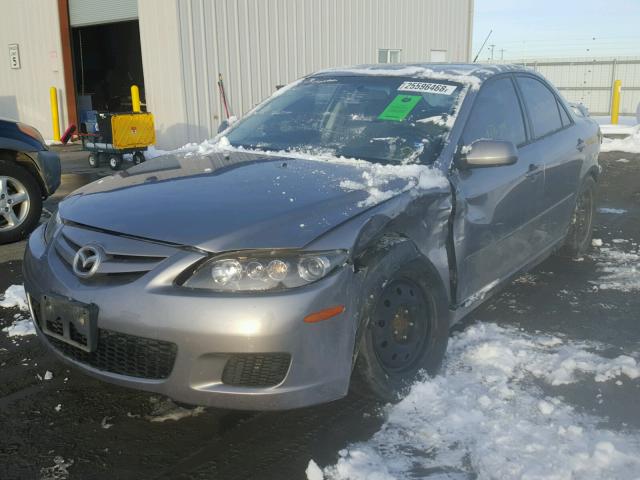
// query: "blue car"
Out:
[29,173]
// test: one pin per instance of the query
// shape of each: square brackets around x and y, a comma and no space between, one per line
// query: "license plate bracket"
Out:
[70,321]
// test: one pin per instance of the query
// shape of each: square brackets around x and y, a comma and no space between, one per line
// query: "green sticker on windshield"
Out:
[400,107]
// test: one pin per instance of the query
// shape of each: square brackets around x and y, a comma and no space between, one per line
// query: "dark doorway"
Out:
[107,61]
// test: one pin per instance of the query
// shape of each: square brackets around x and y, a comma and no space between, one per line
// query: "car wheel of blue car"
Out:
[581,228]
[20,202]
[405,322]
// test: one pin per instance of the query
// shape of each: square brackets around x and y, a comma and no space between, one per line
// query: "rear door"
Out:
[495,206]
[558,147]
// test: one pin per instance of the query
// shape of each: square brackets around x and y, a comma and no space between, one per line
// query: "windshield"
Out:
[381,119]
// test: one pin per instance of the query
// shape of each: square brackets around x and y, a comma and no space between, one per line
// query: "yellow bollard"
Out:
[615,101]
[135,98]
[55,119]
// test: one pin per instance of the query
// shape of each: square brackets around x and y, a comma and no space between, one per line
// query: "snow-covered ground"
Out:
[488,414]
[15,297]
[619,266]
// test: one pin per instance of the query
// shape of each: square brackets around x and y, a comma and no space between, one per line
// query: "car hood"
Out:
[228,201]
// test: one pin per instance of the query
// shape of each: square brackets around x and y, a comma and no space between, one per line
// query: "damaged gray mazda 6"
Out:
[337,231]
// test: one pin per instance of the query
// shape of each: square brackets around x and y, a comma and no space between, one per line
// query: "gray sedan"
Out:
[338,230]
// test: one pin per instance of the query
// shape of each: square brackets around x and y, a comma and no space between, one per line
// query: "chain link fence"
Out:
[591,81]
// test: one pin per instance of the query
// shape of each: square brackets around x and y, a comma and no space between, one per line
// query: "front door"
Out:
[495,206]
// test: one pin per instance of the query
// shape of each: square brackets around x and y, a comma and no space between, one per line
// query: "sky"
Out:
[557,28]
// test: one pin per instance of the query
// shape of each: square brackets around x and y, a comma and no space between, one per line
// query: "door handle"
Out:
[533,170]
[580,146]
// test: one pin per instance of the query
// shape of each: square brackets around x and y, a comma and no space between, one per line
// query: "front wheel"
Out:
[405,321]
[115,161]
[20,202]
[578,239]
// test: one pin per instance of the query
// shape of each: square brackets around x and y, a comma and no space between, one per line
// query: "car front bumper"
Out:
[48,164]
[210,329]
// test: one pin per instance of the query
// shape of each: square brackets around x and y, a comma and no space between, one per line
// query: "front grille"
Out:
[118,352]
[256,369]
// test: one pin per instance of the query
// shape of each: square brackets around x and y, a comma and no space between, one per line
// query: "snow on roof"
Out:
[471,74]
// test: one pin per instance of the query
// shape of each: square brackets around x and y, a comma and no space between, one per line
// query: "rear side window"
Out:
[564,115]
[542,106]
[496,115]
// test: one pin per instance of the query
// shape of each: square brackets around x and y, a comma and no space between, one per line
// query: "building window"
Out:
[386,55]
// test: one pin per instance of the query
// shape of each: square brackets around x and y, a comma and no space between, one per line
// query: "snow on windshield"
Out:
[496,411]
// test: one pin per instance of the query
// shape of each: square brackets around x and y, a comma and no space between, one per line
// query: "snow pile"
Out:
[630,144]
[487,416]
[614,211]
[59,470]
[14,296]
[165,409]
[20,328]
[619,270]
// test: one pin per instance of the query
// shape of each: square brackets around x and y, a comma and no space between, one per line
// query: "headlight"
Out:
[265,270]
[52,227]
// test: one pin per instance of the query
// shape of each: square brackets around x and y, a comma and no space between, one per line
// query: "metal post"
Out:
[615,101]
[55,117]
[613,81]
[135,98]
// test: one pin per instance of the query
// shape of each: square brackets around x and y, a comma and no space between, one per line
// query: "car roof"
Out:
[468,73]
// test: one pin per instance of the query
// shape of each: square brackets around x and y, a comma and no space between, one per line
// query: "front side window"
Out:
[377,118]
[542,106]
[496,115]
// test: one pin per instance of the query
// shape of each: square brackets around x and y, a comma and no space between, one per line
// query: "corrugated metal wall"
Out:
[590,81]
[93,12]
[24,92]
[258,44]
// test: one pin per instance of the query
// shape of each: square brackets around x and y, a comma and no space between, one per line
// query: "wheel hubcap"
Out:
[14,203]
[400,325]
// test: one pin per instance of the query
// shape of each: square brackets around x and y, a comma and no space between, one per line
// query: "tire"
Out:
[115,161]
[138,158]
[578,241]
[18,218]
[404,321]
[94,160]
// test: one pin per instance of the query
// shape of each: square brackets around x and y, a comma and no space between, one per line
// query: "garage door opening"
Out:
[107,61]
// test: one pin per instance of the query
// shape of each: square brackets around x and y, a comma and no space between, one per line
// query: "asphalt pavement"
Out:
[73,426]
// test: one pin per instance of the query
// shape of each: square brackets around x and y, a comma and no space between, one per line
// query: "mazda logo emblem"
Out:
[87,260]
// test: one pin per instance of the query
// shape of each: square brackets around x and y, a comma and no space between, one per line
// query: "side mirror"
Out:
[224,124]
[487,153]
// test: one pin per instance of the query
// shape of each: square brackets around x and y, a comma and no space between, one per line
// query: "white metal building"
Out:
[175,49]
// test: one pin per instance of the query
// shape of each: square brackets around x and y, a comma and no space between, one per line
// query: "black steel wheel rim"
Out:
[583,216]
[400,325]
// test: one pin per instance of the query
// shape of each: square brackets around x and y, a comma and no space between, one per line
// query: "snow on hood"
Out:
[374,175]
[487,416]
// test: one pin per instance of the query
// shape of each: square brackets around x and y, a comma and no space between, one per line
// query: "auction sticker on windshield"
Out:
[423,87]
[400,107]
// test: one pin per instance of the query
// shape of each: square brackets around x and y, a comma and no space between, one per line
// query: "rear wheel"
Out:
[406,327]
[115,161]
[138,158]
[20,202]
[578,239]
[94,161]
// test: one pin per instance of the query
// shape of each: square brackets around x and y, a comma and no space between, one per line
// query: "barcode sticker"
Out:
[423,87]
